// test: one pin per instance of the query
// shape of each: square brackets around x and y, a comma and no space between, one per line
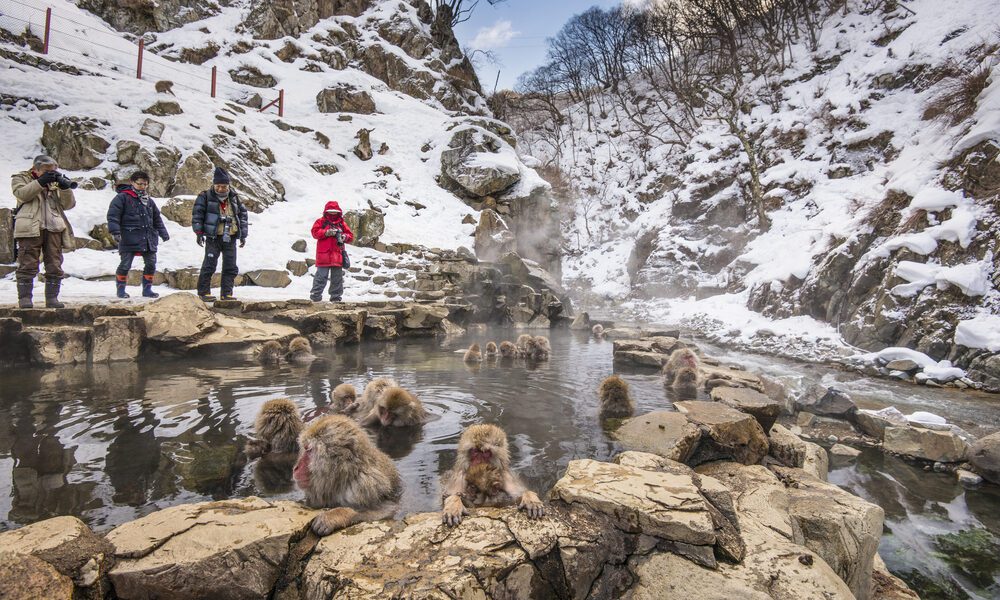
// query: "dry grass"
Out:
[957,99]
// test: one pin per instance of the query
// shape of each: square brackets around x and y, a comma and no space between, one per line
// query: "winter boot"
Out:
[120,281]
[207,297]
[24,293]
[52,294]
[147,287]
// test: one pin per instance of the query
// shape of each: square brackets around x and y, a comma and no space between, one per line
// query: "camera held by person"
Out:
[331,234]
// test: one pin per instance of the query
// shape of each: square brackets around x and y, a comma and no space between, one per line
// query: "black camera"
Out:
[65,182]
[226,238]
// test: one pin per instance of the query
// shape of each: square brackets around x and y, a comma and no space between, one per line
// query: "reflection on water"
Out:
[110,444]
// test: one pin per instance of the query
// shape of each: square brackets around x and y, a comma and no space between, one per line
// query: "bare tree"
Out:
[458,11]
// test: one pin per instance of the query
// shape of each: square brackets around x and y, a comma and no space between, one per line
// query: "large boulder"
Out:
[345,98]
[664,433]
[752,402]
[874,422]
[177,319]
[58,345]
[66,545]
[366,225]
[935,445]
[493,237]
[193,177]
[477,163]
[985,457]
[144,17]
[233,333]
[827,403]
[422,317]
[74,142]
[270,278]
[279,18]
[179,210]
[226,549]
[117,338]
[726,433]
[164,108]
[27,577]
[327,327]
[250,166]
[252,76]
[792,451]
[161,164]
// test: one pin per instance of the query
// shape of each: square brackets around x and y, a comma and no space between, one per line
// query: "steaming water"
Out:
[110,444]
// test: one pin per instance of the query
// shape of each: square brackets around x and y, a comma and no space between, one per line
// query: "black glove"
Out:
[165,237]
[117,237]
[65,184]
[201,239]
[341,237]
[48,177]
[243,242]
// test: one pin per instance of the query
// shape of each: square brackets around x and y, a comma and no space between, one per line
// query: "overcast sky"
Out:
[515,31]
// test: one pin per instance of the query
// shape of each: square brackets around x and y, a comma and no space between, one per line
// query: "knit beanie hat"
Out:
[220,176]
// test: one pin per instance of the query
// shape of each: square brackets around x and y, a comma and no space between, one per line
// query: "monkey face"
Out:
[301,471]
[480,456]
[385,416]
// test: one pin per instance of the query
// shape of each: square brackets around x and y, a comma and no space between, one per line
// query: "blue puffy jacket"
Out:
[140,226]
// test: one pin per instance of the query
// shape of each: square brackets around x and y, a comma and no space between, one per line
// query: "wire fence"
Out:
[104,48]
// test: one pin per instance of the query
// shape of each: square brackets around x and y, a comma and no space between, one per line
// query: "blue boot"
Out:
[120,282]
[147,287]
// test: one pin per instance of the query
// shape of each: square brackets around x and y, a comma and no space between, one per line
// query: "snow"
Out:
[981,332]
[973,279]
[930,368]
[926,418]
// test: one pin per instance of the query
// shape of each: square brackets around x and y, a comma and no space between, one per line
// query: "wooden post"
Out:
[48,24]
[138,67]
[215,71]
[281,102]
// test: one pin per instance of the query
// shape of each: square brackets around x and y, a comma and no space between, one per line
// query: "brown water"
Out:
[110,444]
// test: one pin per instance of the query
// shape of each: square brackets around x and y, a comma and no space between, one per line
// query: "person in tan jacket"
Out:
[41,228]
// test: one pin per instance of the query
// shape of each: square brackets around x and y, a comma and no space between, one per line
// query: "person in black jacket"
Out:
[135,223]
[219,219]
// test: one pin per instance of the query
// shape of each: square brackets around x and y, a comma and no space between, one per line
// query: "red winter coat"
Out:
[328,251]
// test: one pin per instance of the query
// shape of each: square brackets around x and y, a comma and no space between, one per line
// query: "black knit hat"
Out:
[220,176]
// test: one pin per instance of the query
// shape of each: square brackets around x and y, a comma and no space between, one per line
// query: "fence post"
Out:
[48,24]
[281,102]
[138,67]
[214,73]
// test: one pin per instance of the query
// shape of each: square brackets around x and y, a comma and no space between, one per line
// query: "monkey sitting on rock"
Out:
[339,468]
[616,403]
[484,445]
[277,428]
[484,487]
[396,407]
[680,358]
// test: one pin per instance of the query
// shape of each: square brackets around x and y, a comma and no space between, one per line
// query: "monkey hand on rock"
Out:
[454,510]
[531,504]
[334,519]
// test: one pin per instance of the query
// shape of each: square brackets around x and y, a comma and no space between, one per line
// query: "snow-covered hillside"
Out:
[879,233]
[294,164]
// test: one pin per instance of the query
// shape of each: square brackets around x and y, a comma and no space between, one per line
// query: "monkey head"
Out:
[491,349]
[508,350]
[300,344]
[598,329]
[687,358]
[343,395]
[474,348]
[686,376]
[398,408]
[483,444]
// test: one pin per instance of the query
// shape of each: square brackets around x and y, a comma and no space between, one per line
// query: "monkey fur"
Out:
[300,351]
[522,344]
[484,444]
[340,468]
[491,350]
[686,382]
[342,396]
[164,86]
[484,487]
[364,405]
[616,403]
[539,348]
[598,331]
[473,354]
[682,357]
[396,407]
[507,350]
[269,354]
[277,428]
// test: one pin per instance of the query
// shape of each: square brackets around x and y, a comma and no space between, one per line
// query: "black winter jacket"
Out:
[206,212]
[140,226]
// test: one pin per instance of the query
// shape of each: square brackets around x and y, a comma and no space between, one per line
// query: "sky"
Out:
[515,31]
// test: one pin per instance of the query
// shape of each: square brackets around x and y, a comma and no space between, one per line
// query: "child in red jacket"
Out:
[331,233]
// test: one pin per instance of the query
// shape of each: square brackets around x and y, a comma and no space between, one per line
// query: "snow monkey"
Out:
[342,396]
[522,344]
[682,357]
[164,86]
[484,444]
[598,331]
[539,347]
[473,354]
[686,382]
[277,427]
[300,351]
[269,354]
[396,407]
[484,487]
[507,350]
[374,389]
[615,400]
[341,469]
[491,350]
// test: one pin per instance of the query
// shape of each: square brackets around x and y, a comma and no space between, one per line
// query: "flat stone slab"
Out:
[234,331]
[926,444]
[665,433]
[727,434]
[661,345]
[792,451]
[750,401]
[65,543]
[662,504]
[226,549]
[640,359]
[731,377]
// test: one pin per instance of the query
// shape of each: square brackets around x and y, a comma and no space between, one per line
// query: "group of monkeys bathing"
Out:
[339,468]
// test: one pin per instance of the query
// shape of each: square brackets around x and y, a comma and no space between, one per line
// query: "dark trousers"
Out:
[336,277]
[48,246]
[148,259]
[214,247]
